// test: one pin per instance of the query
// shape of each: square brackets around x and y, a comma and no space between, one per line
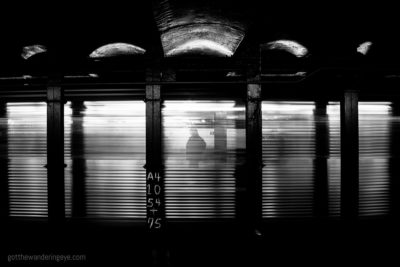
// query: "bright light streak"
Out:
[117,49]
[333,110]
[200,45]
[31,50]
[119,112]
[202,106]
[234,74]
[297,74]
[376,108]
[298,108]
[290,46]
[364,48]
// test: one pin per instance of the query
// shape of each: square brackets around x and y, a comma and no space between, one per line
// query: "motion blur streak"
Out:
[289,153]
[375,119]
[110,138]
[27,148]
[204,146]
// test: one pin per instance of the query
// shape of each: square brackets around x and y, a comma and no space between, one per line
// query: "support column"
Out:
[349,155]
[254,138]
[154,170]
[55,152]
[4,197]
[155,219]
[78,161]
[321,200]
[254,153]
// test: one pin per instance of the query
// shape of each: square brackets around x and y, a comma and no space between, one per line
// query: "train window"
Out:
[293,163]
[204,149]
[24,129]
[105,153]
[375,120]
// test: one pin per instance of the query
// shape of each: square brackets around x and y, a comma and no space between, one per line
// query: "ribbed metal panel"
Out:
[333,111]
[334,186]
[27,176]
[374,128]
[113,148]
[68,185]
[200,177]
[288,188]
[68,159]
[289,151]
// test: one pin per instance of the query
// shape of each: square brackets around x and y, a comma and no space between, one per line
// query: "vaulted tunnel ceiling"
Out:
[200,27]
[214,28]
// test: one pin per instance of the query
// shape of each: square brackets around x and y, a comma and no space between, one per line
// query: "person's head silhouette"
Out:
[194,132]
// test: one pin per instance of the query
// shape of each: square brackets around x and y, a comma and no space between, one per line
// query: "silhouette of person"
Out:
[195,148]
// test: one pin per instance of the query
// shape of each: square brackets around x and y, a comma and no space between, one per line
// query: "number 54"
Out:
[150,202]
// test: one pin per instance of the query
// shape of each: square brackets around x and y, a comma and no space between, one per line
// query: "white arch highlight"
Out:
[31,50]
[200,44]
[290,46]
[117,49]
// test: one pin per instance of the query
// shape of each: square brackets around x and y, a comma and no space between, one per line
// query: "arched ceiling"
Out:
[198,27]
[219,28]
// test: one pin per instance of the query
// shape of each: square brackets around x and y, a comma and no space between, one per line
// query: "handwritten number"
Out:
[148,189]
[157,176]
[150,202]
[154,223]
[157,189]
[158,223]
[153,189]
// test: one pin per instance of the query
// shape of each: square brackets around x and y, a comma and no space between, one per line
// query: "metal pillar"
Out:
[321,160]
[78,162]
[55,152]
[349,157]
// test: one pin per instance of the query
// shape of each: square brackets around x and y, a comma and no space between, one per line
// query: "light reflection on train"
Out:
[204,146]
